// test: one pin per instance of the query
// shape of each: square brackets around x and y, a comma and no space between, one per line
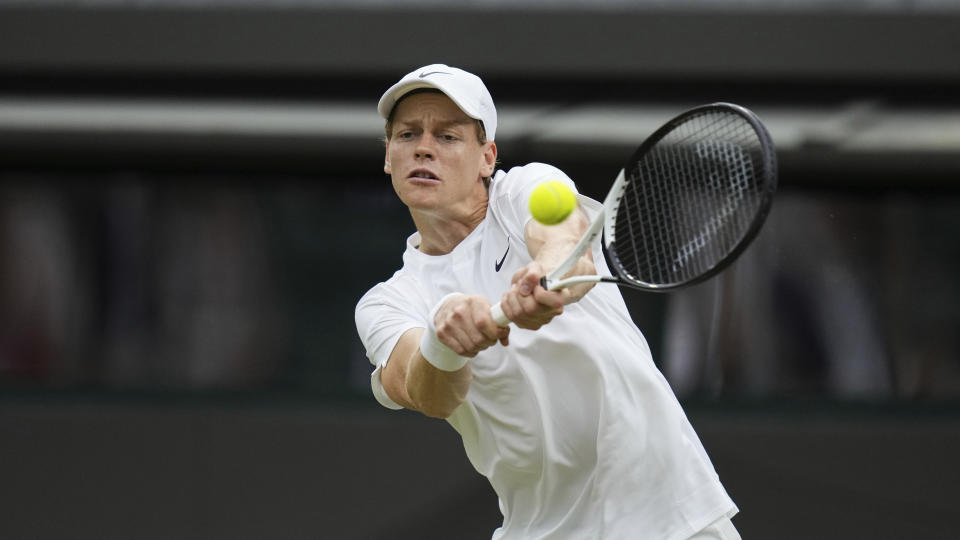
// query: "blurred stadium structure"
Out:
[182,181]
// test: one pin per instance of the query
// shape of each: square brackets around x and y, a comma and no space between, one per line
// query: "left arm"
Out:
[528,304]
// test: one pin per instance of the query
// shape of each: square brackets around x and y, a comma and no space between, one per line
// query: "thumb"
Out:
[528,283]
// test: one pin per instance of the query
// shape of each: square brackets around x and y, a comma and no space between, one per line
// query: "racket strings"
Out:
[690,199]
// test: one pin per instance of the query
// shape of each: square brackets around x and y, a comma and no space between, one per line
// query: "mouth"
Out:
[422,174]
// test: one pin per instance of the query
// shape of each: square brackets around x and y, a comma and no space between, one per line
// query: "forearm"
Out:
[551,244]
[415,384]
[428,370]
[435,392]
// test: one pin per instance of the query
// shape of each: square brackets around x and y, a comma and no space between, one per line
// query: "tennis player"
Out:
[565,414]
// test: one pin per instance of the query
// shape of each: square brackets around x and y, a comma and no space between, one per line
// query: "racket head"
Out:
[697,192]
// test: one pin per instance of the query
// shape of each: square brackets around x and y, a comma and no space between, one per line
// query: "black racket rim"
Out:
[768,152]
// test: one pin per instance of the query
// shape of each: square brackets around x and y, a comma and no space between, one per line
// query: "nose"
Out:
[426,147]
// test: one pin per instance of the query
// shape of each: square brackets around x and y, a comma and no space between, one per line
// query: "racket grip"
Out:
[496,313]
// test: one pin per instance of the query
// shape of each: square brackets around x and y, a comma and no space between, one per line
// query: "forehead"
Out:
[429,106]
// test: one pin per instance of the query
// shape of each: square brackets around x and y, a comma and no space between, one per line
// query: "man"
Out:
[566,414]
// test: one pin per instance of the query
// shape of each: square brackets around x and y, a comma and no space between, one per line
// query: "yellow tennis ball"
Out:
[552,202]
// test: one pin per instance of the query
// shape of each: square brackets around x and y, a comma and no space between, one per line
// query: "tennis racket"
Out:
[690,199]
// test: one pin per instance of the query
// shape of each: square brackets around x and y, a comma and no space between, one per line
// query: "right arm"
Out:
[463,324]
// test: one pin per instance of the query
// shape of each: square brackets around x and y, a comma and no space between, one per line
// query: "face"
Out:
[435,159]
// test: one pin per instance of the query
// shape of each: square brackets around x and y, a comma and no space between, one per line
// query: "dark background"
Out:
[192,202]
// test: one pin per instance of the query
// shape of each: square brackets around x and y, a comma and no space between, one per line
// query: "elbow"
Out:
[441,411]
[437,404]
[439,398]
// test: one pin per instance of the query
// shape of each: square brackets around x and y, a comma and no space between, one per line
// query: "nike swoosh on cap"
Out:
[428,73]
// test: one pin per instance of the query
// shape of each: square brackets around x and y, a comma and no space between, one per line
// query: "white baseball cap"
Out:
[465,89]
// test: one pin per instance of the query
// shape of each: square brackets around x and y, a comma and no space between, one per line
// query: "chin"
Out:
[419,200]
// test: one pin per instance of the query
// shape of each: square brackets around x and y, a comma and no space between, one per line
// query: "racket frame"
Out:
[767,150]
[605,220]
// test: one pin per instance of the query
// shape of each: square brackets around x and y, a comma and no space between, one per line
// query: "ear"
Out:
[386,159]
[489,159]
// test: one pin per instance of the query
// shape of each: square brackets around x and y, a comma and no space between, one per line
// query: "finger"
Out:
[473,342]
[528,304]
[504,337]
[480,331]
[511,304]
[458,331]
[528,283]
[525,312]
[490,330]
[453,337]
[553,299]
[483,321]
[543,306]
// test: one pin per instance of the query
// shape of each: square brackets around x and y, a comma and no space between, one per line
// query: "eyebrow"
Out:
[442,123]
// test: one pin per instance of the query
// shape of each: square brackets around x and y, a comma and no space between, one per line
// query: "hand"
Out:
[529,305]
[463,323]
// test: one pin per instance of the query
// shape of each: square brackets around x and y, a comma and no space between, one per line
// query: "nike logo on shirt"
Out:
[499,264]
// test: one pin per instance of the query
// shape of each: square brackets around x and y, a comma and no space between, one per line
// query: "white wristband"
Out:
[435,351]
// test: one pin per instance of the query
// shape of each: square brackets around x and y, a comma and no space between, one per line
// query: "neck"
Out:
[439,235]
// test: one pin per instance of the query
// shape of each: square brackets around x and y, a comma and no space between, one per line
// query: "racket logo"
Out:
[731,164]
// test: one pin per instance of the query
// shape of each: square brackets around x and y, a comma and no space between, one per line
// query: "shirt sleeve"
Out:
[380,323]
[516,186]
[513,194]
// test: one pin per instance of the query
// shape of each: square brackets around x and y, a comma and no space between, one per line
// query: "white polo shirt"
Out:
[578,432]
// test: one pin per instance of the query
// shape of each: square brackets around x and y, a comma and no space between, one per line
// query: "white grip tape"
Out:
[435,351]
[496,313]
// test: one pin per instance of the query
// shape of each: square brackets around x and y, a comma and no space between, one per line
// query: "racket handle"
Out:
[496,313]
